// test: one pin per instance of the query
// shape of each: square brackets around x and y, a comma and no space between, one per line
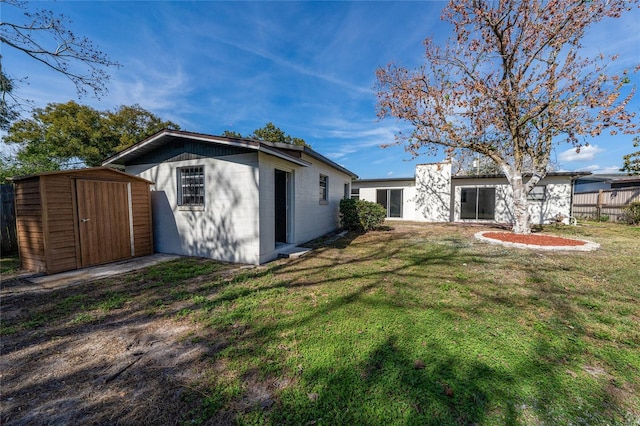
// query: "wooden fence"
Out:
[8,222]
[605,203]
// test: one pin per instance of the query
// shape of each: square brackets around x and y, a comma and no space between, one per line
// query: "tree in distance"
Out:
[268,133]
[66,135]
[510,84]
[632,161]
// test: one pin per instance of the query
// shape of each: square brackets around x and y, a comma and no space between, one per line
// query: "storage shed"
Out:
[72,219]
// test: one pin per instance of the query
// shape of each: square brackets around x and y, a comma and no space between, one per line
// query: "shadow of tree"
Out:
[183,330]
[438,388]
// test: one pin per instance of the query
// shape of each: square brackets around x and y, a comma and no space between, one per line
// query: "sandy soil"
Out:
[127,367]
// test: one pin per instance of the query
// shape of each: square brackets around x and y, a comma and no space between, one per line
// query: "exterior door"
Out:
[391,200]
[478,203]
[281,206]
[104,221]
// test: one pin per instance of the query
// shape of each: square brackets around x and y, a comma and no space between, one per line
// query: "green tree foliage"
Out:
[232,134]
[10,166]
[268,133]
[632,161]
[65,135]
[45,37]
[361,215]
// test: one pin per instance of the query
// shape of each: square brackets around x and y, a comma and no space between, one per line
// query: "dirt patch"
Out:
[70,357]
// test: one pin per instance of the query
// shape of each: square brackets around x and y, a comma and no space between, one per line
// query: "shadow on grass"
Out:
[436,384]
[390,385]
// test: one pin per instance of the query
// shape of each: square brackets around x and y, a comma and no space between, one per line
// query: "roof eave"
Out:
[129,153]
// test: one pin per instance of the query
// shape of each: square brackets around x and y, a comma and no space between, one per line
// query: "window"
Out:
[346,191]
[391,199]
[537,193]
[191,186]
[478,203]
[324,188]
[355,193]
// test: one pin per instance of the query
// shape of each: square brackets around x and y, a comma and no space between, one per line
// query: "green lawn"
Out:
[416,324]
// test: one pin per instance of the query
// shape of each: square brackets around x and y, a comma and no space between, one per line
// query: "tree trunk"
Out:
[522,218]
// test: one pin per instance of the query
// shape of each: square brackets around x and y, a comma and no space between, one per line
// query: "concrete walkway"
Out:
[36,282]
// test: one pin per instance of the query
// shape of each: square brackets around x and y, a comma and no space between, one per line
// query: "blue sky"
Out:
[308,67]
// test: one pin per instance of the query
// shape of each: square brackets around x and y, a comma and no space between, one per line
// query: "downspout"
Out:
[573,189]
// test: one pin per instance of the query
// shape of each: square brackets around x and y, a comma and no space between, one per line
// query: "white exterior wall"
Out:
[433,192]
[557,199]
[309,218]
[226,228]
[313,218]
[268,165]
[426,198]
[434,196]
[408,187]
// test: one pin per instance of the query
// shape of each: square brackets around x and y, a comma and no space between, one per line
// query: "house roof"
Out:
[80,172]
[395,179]
[288,152]
[610,177]
[492,176]
[500,175]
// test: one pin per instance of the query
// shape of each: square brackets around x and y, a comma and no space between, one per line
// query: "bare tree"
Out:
[509,84]
[44,36]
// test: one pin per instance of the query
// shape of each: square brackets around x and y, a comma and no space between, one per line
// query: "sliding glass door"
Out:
[391,199]
[478,203]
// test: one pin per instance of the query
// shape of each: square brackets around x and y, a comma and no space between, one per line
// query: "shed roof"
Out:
[79,172]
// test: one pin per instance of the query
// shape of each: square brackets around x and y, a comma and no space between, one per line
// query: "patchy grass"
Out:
[415,324]
[9,264]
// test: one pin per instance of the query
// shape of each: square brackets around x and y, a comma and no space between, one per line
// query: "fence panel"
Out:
[8,220]
[604,203]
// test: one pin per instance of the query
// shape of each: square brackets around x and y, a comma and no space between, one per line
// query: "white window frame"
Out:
[537,193]
[324,189]
[388,201]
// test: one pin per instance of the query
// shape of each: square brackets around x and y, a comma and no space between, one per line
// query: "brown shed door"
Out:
[104,221]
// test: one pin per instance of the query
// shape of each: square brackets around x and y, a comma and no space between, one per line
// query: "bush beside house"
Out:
[360,215]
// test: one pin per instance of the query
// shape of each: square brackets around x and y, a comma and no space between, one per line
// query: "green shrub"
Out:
[360,215]
[631,213]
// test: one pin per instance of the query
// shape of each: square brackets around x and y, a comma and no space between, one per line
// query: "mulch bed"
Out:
[533,239]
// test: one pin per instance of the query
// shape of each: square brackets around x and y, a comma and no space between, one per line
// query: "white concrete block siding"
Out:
[434,195]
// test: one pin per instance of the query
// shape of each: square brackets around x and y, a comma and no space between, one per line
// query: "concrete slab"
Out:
[293,252]
[29,283]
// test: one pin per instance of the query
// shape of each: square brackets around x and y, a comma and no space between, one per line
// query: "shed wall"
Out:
[47,222]
[29,225]
[59,224]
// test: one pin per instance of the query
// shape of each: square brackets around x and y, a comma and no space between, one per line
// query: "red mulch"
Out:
[533,239]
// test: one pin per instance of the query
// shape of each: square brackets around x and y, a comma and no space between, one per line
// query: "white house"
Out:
[233,199]
[435,195]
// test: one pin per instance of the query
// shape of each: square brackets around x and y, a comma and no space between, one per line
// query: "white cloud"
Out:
[599,170]
[587,153]
[390,174]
